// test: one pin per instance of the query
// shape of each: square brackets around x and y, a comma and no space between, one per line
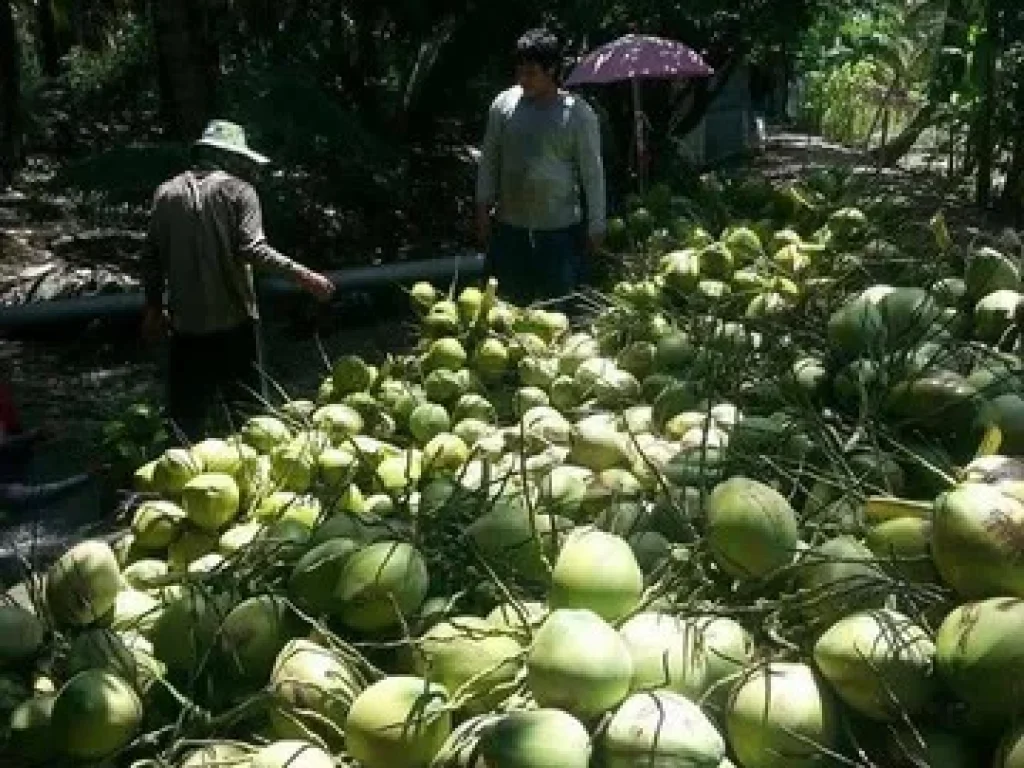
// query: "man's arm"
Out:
[489,171]
[254,248]
[591,169]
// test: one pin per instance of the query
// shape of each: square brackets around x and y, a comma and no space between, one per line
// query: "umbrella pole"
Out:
[638,129]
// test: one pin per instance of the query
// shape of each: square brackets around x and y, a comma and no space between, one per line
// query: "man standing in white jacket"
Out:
[541,150]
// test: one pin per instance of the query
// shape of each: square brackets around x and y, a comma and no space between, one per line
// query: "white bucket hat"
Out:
[230,137]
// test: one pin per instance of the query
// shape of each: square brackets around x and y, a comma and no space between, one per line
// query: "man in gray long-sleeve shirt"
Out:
[542,148]
[205,234]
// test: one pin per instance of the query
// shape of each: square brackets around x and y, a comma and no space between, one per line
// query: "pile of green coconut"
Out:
[735,513]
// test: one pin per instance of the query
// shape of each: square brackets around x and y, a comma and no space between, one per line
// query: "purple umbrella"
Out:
[637,57]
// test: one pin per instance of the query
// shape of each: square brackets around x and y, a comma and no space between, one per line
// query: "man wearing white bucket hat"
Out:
[205,235]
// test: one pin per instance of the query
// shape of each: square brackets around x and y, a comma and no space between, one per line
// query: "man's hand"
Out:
[154,324]
[483,226]
[319,285]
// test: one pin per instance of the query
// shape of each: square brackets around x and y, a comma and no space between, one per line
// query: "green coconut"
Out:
[838,577]
[597,445]
[751,528]
[134,610]
[189,546]
[445,453]
[690,655]
[491,359]
[95,714]
[423,296]
[215,454]
[174,468]
[312,688]
[856,329]
[995,314]
[252,635]
[351,373]
[183,635]
[338,421]
[472,658]
[264,433]
[317,573]
[446,353]
[428,420]
[518,539]
[880,663]
[82,585]
[904,544]
[210,500]
[445,386]
[238,537]
[398,722]
[907,313]
[536,738]
[474,406]
[973,542]
[661,728]
[380,584]
[599,571]
[781,716]
[578,663]
[980,657]
[988,270]
[21,635]
[156,523]
[126,654]
[442,319]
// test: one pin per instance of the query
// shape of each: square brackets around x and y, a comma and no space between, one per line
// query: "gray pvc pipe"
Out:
[467,265]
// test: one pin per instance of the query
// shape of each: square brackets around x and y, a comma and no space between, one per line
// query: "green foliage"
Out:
[868,72]
[94,77]
[133,439]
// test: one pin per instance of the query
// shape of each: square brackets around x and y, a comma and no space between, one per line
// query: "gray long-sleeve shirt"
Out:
[205,233]
[536,158]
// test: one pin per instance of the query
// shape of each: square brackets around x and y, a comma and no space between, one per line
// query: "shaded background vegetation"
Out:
[368,108]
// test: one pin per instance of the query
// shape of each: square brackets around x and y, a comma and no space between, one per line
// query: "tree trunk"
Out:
[46,30]
[984,145]
[11,148]
[87,18]
[1011,203]
[188,63]
[943,82]
[890,153]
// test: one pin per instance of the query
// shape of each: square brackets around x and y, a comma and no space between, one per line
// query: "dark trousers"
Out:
[214,380]
[538,264]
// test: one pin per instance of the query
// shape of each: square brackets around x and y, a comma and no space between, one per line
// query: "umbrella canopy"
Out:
[639,56]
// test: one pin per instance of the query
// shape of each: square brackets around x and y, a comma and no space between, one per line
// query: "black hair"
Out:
[539,46]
